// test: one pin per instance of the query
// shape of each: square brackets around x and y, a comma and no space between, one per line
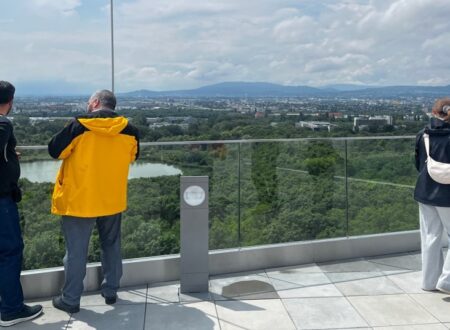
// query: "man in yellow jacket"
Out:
[91,188]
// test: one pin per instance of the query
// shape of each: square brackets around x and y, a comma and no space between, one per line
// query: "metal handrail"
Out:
[208,142]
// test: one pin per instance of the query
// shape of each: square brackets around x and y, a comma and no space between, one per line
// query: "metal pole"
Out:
[346,190]
[239,196]
[112,44]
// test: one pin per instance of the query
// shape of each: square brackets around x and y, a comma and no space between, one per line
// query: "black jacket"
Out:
[9,162]
[427,190]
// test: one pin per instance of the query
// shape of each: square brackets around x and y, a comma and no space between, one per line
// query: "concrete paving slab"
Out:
[254,314]
[391,310]
[323,313]
[193,316]
[128,316]
[160,293]
[404,261]
[51,319]
[352,265]
[311,299]
[409,282]
[130,295]
[307,268]
[195,297]
[414,327]
[323,290]
[368,287]
[293,279]
[352,276]
[438,304]
[242,286]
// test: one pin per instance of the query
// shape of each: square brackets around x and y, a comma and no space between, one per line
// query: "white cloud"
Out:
[64,7]
[176,44]
[346,41]
[433,81]
[296,30]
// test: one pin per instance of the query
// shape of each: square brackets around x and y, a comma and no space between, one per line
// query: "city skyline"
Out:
[64,46]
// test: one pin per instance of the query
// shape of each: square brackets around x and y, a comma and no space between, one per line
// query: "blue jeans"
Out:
[11,252]
[77,233]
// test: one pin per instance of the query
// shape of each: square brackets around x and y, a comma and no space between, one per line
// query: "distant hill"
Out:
[396,91]
[259,89]
[346,87]
[235,89]
[242,89]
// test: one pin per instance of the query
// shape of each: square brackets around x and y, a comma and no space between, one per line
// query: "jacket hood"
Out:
[105,126]
[437,127]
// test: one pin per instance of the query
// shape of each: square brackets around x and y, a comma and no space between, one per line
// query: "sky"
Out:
[63,46]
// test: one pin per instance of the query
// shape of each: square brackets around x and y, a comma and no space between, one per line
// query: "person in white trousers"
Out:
[434,199]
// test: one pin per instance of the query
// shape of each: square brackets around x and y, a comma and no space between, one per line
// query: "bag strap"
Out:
[426,140]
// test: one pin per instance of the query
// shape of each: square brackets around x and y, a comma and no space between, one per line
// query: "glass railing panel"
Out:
[44,244]
[264,192]
[292,191]
[381,179]
[222,163]
[151,223]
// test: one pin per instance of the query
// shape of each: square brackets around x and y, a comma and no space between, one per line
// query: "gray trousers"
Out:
[436,271]
[77,233]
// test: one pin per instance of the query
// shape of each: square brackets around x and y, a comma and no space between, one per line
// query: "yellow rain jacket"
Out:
[96,149]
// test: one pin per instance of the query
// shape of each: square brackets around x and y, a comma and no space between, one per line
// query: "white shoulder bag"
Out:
[439,172]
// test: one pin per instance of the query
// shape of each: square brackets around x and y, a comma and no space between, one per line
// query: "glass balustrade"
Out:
[261,192]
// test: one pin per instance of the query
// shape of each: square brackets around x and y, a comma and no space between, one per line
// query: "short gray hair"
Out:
[106,98]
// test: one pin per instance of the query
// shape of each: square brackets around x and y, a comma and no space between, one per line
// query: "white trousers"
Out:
[436,272]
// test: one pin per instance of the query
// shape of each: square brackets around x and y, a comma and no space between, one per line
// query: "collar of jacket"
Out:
[437,127]
[103,113]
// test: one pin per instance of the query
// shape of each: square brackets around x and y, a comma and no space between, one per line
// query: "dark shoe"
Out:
[27,313]
[110,300]
[60,304]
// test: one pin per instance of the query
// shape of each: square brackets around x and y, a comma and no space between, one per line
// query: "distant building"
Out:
[335,115]
[412,117]
[34,120]
[362,123]
[152,120]
[158,122]
[315,125]
[164,124]
[259,114]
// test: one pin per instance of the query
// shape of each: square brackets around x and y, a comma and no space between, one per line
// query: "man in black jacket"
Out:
[12,308]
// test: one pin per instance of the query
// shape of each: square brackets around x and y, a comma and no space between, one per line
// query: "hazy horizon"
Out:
[38,89]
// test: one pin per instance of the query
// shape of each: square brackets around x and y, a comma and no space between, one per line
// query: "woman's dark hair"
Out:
[7,91]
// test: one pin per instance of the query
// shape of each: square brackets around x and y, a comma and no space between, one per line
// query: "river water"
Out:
[45,171]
